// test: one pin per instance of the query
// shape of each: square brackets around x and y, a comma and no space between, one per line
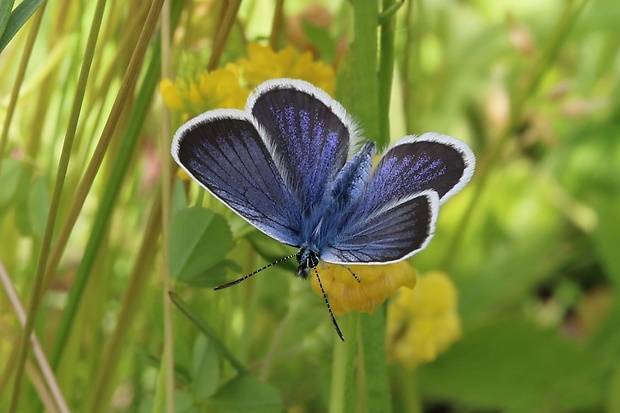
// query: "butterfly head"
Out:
[307,260]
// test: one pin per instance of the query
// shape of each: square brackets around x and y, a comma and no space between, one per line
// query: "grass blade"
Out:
[208,332]
[18,17]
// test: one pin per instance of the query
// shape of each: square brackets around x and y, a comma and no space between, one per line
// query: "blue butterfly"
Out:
[291,165]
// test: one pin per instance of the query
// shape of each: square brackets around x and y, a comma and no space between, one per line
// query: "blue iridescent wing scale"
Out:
[308,133]
[431,161]
[389,234]
[282,165]
[396,213]
[224,151]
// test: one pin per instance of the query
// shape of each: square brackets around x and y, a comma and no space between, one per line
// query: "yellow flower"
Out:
[182,175]
[423,322]
[263,63]
[377,282]
[209,90]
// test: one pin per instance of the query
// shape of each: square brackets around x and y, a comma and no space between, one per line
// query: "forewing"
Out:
[308,133]
[389,234]
[224,152]
[432,161]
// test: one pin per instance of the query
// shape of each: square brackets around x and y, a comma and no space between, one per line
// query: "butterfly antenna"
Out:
[230,284]
[352,273]
[328,306]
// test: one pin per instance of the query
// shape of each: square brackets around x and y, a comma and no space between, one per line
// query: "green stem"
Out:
[208,332]
[364,81]
[98,232]
[101,389]
[223,32]
[375,361]
[21,73]
[386,71]
[167,364]
[35,297]
[342,394]
[539,68]
[409,390]
[96,160]
[276,25]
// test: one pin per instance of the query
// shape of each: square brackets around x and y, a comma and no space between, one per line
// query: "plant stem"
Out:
[168,358]
[386,72]
[221,36]
[276,25]
[90,253]
[21,72]
[364,59]
[342,394]
[539,68]
[35,297]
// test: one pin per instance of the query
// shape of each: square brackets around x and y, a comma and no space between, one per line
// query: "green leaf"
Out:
[39,201]
[16,20]
[199,241]
[321,38]
[511,365]
[32,206]
[205,368]
[207,331]
[5,13]
[613,394]
[246,394]
[11,176]
[606,237]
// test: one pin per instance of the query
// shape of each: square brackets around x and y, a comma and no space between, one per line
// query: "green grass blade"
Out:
[364,59]
[386,68]
[5,14]
[540,65]
[375,362]
[98,230]
[16,20]
[63,164]
[343,396]
[208,332]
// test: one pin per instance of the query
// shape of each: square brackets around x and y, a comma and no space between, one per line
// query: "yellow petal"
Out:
[376,283]
[171,95]
[194,95]
[423,323]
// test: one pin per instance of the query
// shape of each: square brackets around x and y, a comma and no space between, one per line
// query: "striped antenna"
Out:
[352,273]
[328,307]
[230,284]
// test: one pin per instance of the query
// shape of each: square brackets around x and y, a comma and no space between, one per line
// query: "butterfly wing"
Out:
[388,234]
[224,151]
[431,161]
[308,133]
[395,215]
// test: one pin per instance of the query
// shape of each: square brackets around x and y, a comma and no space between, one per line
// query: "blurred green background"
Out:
[531,244]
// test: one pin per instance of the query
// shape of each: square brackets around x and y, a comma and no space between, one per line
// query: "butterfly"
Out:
[292,164]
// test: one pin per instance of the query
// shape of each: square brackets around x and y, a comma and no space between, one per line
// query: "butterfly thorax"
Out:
[307,260]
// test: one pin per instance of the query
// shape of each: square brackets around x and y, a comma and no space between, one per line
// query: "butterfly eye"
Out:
[299,256]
